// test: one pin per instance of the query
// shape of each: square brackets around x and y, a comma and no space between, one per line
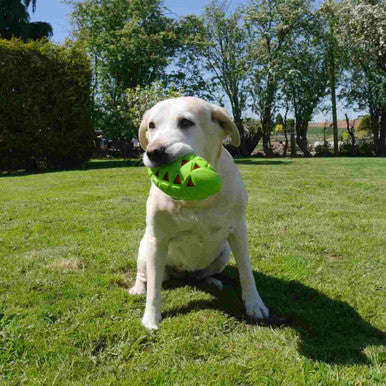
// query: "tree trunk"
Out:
[332,76]
[266,123]
[293,141]
[248,142]
[266,133]
[301,137]
[285,148]
[351,132]
[374,116]
[253,140]
[285,128]
[380,149]
[242,150]
[334,115]
[267,144]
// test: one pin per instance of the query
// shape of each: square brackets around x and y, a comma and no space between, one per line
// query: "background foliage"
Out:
[261,58]
[130,43]
[141,99]
[15,21]
[44,102]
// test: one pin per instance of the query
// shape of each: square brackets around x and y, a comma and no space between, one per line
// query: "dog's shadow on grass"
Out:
[331,330]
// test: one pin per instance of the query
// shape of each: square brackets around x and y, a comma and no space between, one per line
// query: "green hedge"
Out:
[44,101]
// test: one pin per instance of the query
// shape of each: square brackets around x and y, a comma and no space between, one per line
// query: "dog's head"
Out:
[179,126]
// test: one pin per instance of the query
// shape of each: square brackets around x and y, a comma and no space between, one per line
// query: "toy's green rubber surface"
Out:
[188,178]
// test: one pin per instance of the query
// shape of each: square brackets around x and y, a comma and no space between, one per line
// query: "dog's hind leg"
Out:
[215,267]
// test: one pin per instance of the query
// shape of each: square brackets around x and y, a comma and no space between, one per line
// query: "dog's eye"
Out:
[151,125]
[185,123]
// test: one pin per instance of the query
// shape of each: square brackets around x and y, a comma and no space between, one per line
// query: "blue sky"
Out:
[57,13]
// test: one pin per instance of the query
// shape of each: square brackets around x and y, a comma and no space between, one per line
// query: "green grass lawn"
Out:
[68,248]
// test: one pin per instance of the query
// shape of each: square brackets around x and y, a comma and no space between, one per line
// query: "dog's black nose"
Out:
[157,154]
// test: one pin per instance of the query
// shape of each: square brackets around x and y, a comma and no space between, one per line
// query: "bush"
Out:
[363,148]
[364,125]
[366,148]
[44,95]
[323,149]
[347,149]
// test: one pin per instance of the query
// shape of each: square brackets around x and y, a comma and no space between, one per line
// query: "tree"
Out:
[227,59]
[216,58]
[328,9]
[362,30]
[351,133]
[190,69]
[291,129]
[305,76]
[271,25]
[362,23]
[14,21]
[364,86]
[279,119]
[130,42]
[28,2]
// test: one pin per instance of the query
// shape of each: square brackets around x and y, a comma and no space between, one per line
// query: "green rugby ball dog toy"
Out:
[188,178]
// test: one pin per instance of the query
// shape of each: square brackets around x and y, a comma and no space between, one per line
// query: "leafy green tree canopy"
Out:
[271,25]
[364,125]
[362,30]
[131,42]
[15,21]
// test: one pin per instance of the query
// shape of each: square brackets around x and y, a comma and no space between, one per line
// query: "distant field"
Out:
[317,134]
[314,134]
[68,248]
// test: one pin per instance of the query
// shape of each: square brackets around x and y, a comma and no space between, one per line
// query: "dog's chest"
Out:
[198,237]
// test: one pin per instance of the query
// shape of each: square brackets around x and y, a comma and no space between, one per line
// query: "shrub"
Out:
[347,149]
[44,95]
[364,125]
[277,147]
[363,148]
[345,137]
[366,148]
[323,149]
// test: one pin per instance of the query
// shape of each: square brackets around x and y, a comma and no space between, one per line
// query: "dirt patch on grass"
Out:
[63,265]
[125,280]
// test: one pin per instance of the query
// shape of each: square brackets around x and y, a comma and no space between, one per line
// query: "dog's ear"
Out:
[220,115]
[142,131]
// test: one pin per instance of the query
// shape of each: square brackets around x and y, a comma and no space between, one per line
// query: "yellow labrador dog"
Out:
[196,236]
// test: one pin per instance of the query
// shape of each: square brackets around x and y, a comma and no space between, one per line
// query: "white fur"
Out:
[194,235]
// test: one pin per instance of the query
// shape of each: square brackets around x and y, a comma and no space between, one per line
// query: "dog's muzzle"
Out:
[163,154]
[157,155]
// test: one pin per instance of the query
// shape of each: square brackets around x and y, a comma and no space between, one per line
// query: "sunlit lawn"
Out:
[68,246]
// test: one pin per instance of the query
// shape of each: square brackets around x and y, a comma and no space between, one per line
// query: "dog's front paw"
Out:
[255,308]
[151,322]
[138,289]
